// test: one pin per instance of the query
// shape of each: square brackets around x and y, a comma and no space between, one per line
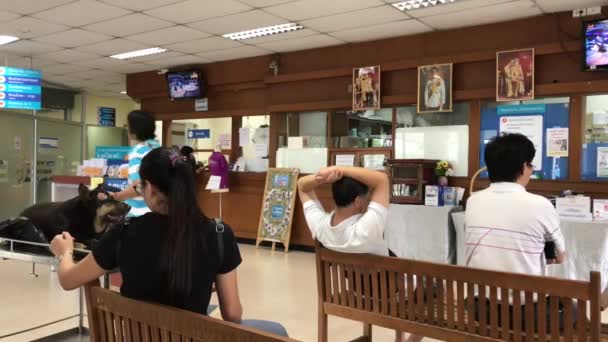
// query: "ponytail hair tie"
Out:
[174,157]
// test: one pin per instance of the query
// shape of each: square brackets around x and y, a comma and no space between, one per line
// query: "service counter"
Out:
[241,206]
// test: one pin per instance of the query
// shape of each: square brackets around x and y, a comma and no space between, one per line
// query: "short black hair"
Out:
[505,156]
[186,150]
[346,190]
[141,124]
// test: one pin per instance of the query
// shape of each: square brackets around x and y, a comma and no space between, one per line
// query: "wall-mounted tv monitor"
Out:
[595,45]
[185,84]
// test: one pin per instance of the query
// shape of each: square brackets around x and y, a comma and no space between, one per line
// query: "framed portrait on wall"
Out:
[366,88]
[435,88]
[515,75]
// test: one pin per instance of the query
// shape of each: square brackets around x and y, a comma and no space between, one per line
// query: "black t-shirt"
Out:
[138,257]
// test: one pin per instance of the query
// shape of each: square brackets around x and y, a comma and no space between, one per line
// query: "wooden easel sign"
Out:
[277,207]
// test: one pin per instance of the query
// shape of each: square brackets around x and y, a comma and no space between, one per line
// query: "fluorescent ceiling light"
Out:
[123,92]
[416,4]
[7,39]
[139,53]
[263,31]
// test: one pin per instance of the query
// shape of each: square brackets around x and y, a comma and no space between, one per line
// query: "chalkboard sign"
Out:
[278,206]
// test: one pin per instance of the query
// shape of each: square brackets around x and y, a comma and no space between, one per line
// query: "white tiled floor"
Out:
[273,286]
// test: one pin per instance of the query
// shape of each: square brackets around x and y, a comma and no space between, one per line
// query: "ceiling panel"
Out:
[194,10]
[73,38]
[281,36]
[306,9]
[235,53]
[170,35]
[28,27]
[14,60]
[394,29]
[483,15]
[264,3]
[39,62]
[164,55]
[305,43]
[567,5]
[29,48]
[69,55]
[104,63]
[81,12]
[30,6]
[178,61]
[355,19]
[206,44]
[114,46]
[457,6]
[102,75]
[140,5]
[128,25]
[7,16]
[238,22]
[63,68]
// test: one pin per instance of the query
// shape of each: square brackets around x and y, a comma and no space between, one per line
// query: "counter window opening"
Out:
[544,121]
[594,153]
[302,140]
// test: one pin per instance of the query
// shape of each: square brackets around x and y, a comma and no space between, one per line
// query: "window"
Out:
[545,123]
[302,141]
[594,158]
[441,136]
[363,129]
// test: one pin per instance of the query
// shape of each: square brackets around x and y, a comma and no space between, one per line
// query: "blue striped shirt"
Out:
[137,153]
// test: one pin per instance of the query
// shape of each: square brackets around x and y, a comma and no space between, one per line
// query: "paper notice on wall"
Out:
[261,150]
[3,171]
[602,162]
[243,136]
[295,142]
[225,141]
[600,209]
[345,160]
[532,127]
[557,142]
[374,161]
[214,183]
[47,142]
[17,143]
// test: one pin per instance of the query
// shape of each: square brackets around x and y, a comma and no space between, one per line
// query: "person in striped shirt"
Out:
[142,137]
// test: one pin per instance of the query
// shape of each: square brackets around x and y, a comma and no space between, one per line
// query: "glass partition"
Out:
[16,156]
[303,141]
[203,135]
[594,158]
[362,129]
[441,136]
[254,141]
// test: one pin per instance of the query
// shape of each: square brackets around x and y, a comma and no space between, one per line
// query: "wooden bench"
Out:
[113,317]
[432,300]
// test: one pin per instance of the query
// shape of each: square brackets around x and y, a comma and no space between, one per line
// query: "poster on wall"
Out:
[557,142]
[515,75]
[602,162]
[435,88]
[278,207]
[366,88]
[532,127]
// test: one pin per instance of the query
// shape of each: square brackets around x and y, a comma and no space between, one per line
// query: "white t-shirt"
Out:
[357,234]
[507,227]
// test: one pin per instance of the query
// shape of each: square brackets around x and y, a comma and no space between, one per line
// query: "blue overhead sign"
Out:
[106,116]
[20,88]
[522,109]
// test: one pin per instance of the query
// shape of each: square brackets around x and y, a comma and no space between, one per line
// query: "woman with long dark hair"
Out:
[172,255]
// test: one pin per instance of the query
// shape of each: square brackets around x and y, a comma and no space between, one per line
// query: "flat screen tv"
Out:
[595,45]
[185,84]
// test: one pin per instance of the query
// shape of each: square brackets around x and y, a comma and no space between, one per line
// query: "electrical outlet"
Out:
[594,10]
[579,12]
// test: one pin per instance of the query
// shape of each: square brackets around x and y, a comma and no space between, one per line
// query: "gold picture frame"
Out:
[435,88]
[515,75]
[366,88]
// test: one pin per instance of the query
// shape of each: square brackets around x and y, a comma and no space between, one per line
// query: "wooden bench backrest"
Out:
[113,317]
[377,290]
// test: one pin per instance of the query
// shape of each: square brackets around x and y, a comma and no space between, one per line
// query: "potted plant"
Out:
[443,170]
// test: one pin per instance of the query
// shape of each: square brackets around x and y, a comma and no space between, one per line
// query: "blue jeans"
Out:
[266,326]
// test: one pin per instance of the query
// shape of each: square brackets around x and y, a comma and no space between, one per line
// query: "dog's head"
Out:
[106,212]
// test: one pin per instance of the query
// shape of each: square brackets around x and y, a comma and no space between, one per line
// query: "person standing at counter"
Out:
[142,138]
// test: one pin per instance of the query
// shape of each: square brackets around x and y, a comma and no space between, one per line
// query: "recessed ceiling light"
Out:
[7,39]
[139,53]
[263,31]
[416,4]
[124,92]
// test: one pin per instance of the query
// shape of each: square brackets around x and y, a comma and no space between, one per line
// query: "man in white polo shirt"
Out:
[506,226]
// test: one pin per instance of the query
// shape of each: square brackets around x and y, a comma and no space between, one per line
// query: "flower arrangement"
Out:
[444,169]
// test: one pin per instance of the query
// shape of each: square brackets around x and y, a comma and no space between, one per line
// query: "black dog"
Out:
[85,217]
